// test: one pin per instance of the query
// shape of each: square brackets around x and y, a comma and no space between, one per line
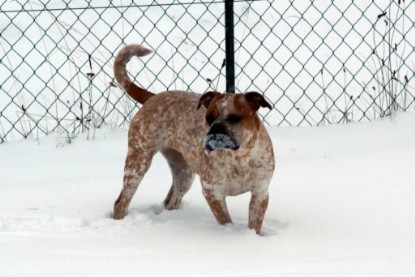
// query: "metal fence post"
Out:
[229,47]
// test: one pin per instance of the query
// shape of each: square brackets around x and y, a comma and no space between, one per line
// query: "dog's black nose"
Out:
[217,128]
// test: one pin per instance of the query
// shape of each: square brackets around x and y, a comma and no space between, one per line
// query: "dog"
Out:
[218,136]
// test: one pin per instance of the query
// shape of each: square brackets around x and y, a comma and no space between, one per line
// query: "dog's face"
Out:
[231,119]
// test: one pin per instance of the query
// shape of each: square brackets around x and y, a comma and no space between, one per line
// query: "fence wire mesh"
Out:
[317,62]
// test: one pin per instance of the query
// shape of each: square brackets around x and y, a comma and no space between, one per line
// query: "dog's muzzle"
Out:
[218,138]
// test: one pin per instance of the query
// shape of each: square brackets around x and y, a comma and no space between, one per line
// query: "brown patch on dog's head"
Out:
[246,106]
[207,98]
[257,100]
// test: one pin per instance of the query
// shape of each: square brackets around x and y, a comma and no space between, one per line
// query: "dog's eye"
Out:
[210,118]
[233,118]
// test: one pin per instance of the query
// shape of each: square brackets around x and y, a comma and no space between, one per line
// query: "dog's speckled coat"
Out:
[175,123]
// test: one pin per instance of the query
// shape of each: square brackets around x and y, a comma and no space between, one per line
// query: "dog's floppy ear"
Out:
[206,98]
[257,100]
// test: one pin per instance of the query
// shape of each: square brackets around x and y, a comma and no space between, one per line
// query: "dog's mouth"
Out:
[220,141]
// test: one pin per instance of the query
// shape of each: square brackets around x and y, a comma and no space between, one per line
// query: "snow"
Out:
[341,204]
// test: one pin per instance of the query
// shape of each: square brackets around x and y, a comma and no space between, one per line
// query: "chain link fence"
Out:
[317,62]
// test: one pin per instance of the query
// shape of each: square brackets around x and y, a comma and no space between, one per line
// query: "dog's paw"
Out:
[118,215]
[172,204]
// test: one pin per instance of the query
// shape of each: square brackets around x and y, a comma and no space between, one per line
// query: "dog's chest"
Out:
[232,176]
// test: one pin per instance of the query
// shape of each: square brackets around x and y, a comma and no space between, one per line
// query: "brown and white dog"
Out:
[217,136]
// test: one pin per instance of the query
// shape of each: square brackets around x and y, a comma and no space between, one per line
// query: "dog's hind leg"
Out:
[183,178]
[136,165]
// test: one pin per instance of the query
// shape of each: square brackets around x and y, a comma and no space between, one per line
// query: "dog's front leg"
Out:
[218,206]
[257,207]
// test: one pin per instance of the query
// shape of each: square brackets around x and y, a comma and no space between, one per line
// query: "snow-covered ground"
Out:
[341,204]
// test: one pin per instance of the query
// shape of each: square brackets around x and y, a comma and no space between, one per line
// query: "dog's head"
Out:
[231,118]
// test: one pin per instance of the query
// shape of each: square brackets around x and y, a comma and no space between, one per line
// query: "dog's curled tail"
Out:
[138,94]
